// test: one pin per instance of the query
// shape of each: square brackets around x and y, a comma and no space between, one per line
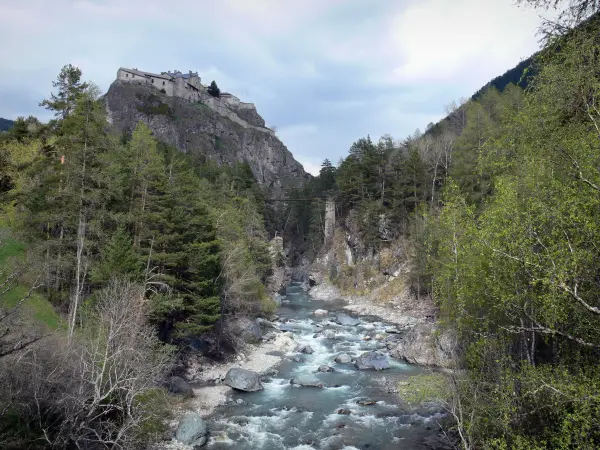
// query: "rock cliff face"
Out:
[209,129]
[379,284]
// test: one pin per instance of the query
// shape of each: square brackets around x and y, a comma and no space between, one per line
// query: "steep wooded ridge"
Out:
[217,134]
[5,124]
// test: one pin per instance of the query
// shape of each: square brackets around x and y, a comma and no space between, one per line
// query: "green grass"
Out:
[10,248]
[36,305]
[40,309]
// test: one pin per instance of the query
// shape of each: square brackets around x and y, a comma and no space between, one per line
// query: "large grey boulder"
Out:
[177,385]
[192,430]
[243,380]
[345,319]
[327,334]
[425,344]
[264,323]
[248,330]
[305,349]
[372,360]
[307,380]
[343,358]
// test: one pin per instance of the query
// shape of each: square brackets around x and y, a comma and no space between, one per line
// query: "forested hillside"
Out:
[5,124]
[500,204]
[116,250]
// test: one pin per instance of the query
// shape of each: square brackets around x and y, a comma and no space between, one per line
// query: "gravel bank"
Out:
[259,358]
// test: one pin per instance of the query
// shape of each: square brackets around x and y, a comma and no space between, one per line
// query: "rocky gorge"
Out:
[320,378]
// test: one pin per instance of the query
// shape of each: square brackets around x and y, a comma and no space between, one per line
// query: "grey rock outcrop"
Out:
[424,345]
[327,334]
[343,358]
[345,319]
[372,360]
[325,369]
[307,380]
[248,330]
[177,385]
[305,349]
[243,380]
[192,430]
[220,135]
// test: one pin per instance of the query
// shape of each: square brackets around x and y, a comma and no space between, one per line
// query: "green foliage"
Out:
[70,88]
[117,259]
[214,90]
[514,254]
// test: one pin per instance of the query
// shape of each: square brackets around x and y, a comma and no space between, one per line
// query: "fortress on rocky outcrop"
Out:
[183,85]
[188,86]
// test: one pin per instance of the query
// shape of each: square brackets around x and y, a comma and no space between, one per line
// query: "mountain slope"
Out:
[211,131]
[5,124]
[516,75]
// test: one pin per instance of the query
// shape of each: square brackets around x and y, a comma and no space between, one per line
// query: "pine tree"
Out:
[214,90]
[69,87]
[117,259]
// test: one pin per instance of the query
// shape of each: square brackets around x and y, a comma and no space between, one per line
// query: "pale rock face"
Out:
[219,133]
[285,343]
[423,345]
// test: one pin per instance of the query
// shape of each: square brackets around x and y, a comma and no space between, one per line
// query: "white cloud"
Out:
[439,40]
[292,132]
[311,165]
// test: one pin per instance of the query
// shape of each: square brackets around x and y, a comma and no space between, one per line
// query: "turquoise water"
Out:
[284,416]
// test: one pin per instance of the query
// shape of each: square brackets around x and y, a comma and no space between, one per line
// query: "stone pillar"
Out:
[329,219]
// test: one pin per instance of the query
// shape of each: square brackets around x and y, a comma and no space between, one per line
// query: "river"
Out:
[285,416]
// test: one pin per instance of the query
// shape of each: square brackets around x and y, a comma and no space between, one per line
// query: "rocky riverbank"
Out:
[205,380]
[423,342]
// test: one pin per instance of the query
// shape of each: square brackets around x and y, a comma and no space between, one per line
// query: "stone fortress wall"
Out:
[189,87]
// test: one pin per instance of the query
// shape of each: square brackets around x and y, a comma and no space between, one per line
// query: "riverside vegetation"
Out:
[119,250]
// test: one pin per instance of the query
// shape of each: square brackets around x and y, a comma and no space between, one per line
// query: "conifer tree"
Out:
[117,259]
[214,90]
[70,87]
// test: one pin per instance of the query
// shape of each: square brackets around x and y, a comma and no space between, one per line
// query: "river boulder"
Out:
[305,349]
[345,319]
[324,368]
[372,360]
[248,330]
[327,334]
[307,380]
[177,385]
[264,323]
[321,312]
[343,358]
[192,430]
[243,380]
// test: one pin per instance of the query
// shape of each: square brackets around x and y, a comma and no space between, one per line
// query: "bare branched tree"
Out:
[91,392]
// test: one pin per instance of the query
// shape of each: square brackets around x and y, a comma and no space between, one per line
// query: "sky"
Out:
[323,72]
